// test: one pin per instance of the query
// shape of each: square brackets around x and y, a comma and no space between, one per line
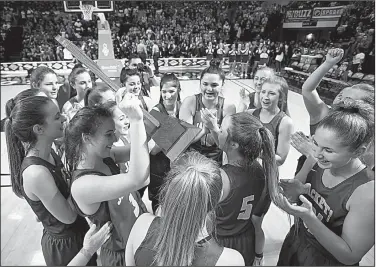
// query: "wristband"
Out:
[86,253]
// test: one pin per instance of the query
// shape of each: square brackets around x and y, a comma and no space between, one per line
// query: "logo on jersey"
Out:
[322,210]
[134,203]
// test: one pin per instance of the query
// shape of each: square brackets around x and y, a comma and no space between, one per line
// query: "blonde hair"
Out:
[191,192]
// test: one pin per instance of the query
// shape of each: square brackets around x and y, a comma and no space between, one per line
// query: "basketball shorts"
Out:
[60,250]
[244,243]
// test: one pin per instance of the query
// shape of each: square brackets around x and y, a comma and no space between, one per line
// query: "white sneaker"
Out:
[258,261]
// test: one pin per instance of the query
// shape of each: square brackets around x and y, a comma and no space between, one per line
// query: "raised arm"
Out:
[286,128]
[92,189]
[38,182]
[316,108]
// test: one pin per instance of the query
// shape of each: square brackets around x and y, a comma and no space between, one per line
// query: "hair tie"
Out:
[191,168]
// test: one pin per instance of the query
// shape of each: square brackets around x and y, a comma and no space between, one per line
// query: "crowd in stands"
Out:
[185,29]
[175,26]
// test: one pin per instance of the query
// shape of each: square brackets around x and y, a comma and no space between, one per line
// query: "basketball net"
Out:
[87,11]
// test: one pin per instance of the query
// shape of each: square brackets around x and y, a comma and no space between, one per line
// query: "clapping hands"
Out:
[302,144]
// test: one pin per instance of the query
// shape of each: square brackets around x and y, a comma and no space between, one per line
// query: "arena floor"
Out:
[21,234]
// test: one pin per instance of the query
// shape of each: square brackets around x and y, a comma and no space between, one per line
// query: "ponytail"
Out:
[255,141]
[11,103]
[16,154]
[86,96]
[9,106]
[191,192]
[269,164]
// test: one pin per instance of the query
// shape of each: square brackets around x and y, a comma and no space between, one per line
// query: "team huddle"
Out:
[83,165]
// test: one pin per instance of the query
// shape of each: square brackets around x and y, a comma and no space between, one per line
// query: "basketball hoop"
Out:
[87,11]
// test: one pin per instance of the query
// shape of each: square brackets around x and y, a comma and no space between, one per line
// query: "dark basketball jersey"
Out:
[252,100]
[122,212]
[273,125]
[207,251]
[143,103]
[329,205]
[65,93]
[60,242]
[246,186]
[207,145]
[61,179]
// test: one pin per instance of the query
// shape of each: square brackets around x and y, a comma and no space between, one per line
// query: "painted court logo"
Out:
[105,50]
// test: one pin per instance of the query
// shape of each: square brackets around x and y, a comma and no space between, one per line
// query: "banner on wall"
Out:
[327,12]
[310,24]
[298,15]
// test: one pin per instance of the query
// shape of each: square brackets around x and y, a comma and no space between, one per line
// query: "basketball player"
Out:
[273,118]
[252,100]
[244,139]
[93,241]
[317,109]
[130,79]
[12,102]
[45,79]
[169,104]
[211,83]
[121,129]
[148,78]
[180,237]
[66,91]
[281,127]
[260,77]
[39,176]
[336,217]
[80,81]
[98,95]
[99,191]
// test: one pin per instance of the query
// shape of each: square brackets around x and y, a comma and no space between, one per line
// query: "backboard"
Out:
[103,6]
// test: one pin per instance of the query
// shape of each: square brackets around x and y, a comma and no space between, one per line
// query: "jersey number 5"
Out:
[246,210]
